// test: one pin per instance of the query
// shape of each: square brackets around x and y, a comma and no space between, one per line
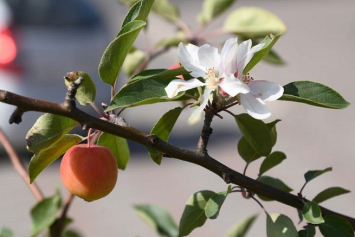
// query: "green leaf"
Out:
[215,203]
[269,42]
[194,212]
[279,225]
[242,227]
[273,182]
[329,193]
[170,42]
[159,74]
[139,11]
[44,213]
[271,161]
[87,90]
[309,231]
[158,219]
[254,22]
[162,129]
[312,174]
[116,52]
[47,130]
[118,146]
[273,132]
[256,133]
[71,233]
[336,226]
[41,160]
[4,232]
[213,8]
[133,61]
[312,213]
[140,92]
[246,151]
[315,94]
[273,58]
[166,9]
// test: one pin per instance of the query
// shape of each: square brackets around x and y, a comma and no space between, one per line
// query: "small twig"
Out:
[228,106]
[258,202]
[214,33]
[300,192]
[246,167]
[182,25]
[19,166]
[58,226]
[99,111]
[119,113]
[229,112]
[149,57]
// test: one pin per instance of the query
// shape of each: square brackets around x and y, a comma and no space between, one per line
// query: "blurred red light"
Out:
[8,48]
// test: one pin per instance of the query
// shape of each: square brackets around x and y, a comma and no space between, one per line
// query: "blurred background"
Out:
[46,39]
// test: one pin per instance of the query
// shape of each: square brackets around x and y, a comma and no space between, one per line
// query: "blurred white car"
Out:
[40,41]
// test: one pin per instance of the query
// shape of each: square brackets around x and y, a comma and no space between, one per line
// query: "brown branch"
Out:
[205,134]
[19,166]
[226,173]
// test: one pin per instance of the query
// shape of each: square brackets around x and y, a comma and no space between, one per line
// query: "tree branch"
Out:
[227,174]
[19,166]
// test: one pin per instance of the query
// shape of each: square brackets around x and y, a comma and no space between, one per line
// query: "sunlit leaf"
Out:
[279,225]
[170,42]
[253,22]
[40,161]
[194,212]
[140,92]
[166,9]
[312,213]
[313,93]
[87,90]
[133,61]
[162,129]
[47,130]
[116,52]
[159,74]
[118,146]
[139,11]
[336,226]
[215,203]
[269,42]
[159,219]
[329,193]
[242,227]
[213,8]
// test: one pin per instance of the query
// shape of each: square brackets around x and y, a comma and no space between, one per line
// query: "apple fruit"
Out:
[89,171]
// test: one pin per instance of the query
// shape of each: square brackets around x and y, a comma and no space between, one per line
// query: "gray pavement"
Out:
[318,46]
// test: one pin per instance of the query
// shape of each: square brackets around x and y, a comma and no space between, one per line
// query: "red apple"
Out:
[89,172]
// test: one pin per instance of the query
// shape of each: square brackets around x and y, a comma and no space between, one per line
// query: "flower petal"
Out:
[175,86]
[228,54]
[190,61]
[242,51]
[242,62]
[232,86]
[254,106]
[209,56]
[197,113]
[266,90]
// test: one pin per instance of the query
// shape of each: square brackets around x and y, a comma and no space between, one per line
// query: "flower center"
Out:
[212,80]
[247,78]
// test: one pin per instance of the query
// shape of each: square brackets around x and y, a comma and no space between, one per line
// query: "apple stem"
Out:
[89,136]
